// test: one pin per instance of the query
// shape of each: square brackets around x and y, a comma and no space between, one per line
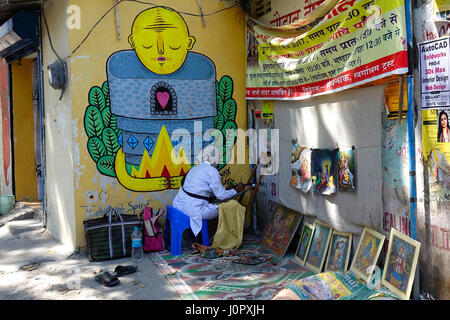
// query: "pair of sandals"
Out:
[111,280]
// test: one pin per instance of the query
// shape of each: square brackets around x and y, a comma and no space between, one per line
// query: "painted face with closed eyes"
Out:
[161,39]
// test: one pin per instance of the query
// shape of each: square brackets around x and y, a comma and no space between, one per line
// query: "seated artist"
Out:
[200,186]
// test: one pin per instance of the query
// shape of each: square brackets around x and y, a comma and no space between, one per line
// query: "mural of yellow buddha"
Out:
[153,91]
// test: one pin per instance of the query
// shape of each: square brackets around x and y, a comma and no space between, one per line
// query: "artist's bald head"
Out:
[161,39]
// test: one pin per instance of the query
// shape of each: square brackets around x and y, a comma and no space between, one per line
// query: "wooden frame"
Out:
[400,265]
[318,248]
[304,243]
[367,253]
[337,260]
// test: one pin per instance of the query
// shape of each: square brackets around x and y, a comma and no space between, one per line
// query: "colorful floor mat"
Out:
[198,278]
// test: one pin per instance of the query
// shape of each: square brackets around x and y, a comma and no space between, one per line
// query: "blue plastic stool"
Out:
[178,222]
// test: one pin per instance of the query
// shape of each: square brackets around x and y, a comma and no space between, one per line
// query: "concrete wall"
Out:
[221,39]
[343,119]
[59,191]
[350,118]
[433,218]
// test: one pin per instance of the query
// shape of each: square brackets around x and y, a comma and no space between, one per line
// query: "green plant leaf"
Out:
[226,88]
[96,148]
[229,110]
[110,140]
[106,166]
[93,122]
[97,98]
[106,116]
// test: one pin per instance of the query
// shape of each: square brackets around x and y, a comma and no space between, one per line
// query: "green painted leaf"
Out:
[93,122]
[229,110]
[96,148]
[105,89]
[219,121]
[229,125]
[226,88]
[97,98]
[106,116]
[113,122]
[110,140]
[106,166]
[219,104]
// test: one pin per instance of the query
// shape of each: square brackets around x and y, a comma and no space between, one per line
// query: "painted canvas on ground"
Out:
[301,168]
[304,243]
[400,265]
[324,170]
[279,232]
[332,286]
[347,172]
[339,252]
[319,245]
[367,253]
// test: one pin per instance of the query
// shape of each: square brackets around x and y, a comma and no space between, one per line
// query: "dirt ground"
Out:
[35,266]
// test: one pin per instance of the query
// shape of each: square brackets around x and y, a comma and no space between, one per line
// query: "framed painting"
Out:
[319,245]
[400,265]
[347,172]
[324,171]
[301,168]
[304,243]
[367,253]
[279,232]
[339,251]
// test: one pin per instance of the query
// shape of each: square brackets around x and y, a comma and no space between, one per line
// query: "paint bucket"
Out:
[7,203]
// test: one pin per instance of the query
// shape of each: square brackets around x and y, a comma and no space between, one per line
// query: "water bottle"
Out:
[136,245]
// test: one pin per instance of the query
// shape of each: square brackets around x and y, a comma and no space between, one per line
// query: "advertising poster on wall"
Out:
[354,42]
[435,86]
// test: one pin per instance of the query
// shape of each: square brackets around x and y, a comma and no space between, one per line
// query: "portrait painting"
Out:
[400,265]
[304,243]
[324,171]
[367,253]
[279,232]
[339,251]
[319,245]
[347,172]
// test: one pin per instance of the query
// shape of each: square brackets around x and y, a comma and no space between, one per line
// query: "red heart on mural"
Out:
[163,98]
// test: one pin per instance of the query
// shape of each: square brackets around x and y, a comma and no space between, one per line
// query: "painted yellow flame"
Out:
[163,157]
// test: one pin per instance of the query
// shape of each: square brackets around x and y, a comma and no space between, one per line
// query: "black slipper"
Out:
[124,270]
[107,279]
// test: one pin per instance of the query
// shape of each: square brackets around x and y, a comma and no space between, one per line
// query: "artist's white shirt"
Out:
[203,179]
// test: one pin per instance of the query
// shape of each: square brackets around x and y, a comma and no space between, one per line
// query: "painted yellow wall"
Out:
[222,39]
[23,124]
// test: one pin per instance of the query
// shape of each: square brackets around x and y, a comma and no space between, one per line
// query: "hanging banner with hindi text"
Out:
[354,42]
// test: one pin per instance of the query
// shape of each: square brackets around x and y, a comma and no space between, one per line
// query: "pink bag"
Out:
[153,238]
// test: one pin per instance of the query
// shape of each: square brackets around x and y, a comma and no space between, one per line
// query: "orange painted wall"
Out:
[23,128]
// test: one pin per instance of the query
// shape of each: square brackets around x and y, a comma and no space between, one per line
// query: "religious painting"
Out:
[339,252]
[279,232]
[319,245]
[301,168]
[347,172]
[324,171]
[367,253]
[304,243]
[400,265]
